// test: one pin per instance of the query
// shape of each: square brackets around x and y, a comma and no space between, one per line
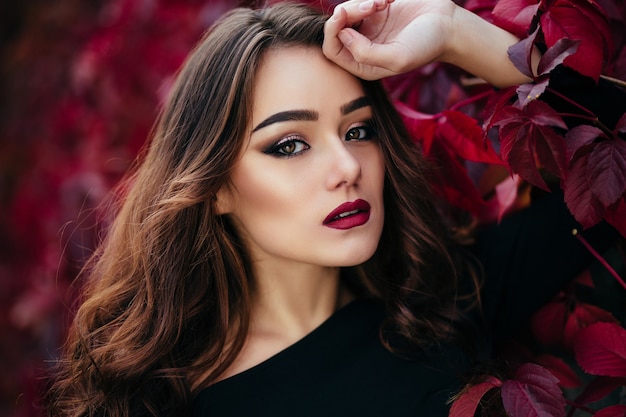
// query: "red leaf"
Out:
[585,278]
[534,393]
[582,316]
[616,216]
[612,411]
[607,170]
[550,150]
[544,115]
[520,154]
[465,138]
[467,403]
[601,349]
[456,186]
[556,54]
[580,136]
[421,126]
[584,23]
[496,103]
[578,196]
[515,15]
[548,322]
[520,54]
[599,388]
[527,140]
[557,367]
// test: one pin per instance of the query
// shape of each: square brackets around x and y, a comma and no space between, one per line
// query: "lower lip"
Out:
[349,222]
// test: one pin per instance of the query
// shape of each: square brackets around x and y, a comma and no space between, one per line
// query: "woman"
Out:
[278,251]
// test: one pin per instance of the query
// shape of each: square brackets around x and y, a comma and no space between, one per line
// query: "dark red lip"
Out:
[348,215]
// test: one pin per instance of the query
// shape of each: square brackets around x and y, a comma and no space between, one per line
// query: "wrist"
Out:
[481,48]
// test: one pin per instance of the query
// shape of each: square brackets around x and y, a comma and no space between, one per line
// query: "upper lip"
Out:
[360,205]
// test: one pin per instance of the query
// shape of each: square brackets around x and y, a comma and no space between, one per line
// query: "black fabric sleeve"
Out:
[528,257]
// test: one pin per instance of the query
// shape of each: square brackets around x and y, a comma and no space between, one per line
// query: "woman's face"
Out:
[308,187]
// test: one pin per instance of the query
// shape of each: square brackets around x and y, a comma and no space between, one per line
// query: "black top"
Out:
[341,368]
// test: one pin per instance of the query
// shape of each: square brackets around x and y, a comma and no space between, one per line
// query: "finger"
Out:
[332,46]
[358,10]
[365,53]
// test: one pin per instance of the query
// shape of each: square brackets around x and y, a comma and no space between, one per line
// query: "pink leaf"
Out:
[534,393]
[466,404]
[531,91]
[506,194]
[601,349]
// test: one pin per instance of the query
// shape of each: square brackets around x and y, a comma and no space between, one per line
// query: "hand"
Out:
[373,39]
[377,38]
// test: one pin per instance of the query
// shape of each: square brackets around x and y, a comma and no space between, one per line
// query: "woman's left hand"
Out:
[375,38]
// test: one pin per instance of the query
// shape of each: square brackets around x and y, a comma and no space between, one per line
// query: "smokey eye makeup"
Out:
[294,145]
[287,147]
[362,132]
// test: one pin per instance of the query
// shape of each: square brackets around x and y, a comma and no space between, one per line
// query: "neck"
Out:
[290,302]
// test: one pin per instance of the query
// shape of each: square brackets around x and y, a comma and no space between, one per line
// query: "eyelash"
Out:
[278,149]
[367,127]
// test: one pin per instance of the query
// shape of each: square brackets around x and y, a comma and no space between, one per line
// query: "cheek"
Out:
[265,196]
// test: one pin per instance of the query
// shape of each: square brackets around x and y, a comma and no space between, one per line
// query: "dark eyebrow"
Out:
[354,105]
[285,116]
[309,115]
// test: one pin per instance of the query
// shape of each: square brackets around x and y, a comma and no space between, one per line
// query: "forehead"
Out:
[297,77]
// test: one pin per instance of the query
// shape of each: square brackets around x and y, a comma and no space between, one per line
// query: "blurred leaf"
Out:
[533,393]
[601,349]
[467,403]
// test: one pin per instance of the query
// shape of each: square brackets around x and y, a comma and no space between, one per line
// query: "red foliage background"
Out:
[81,83]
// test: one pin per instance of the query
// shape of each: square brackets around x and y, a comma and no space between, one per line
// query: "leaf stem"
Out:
[599,258]
[615,81]
[590,116]
[470,100]
[572,102]
[580,407]
[592,119]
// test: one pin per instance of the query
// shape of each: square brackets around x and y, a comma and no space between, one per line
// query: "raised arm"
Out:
[378,38]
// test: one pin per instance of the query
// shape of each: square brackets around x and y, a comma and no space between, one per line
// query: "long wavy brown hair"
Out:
[168,291]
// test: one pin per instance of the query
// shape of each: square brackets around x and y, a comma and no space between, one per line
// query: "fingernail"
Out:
[336,13]
[366,5]
[345,38]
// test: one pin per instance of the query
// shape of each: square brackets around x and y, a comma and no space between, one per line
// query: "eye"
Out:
[288,147]
[360,132]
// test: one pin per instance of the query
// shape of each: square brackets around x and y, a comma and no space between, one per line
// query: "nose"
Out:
[345,167]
